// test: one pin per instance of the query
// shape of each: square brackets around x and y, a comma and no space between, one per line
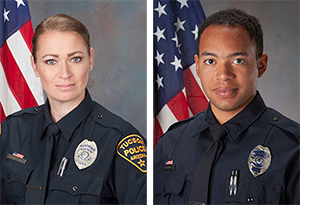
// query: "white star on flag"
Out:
[176,63]
[159,58]
[183,3]
[19,2]
[179,24]
[159,81]
[159,34]
[161,10]
[195,32]
[175,39]
[5,15]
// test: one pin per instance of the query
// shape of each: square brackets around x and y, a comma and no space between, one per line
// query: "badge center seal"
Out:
[85,154]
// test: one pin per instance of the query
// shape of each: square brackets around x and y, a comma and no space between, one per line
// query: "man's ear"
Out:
[196,59]
[262,64]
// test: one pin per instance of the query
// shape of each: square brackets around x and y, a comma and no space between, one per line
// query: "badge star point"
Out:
[176,63]
[179,25]
[161,9]
[159,34]
[159,58]
[5,15]
[183,3]
[159,81]
[19,2]
[195,32]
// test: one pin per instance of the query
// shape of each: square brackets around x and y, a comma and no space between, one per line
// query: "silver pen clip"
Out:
[62,167]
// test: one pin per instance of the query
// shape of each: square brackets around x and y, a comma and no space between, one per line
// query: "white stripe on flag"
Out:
[184,92]
[21,54]
[166,118]
[193,70]
[8,101]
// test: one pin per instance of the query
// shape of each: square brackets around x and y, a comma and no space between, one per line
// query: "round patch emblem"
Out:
[85,154]
[259,160]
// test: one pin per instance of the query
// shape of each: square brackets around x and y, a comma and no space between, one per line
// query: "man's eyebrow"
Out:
[238,54]
[205,53]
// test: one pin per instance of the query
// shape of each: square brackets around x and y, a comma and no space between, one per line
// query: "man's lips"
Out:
[225,91]
[65,86]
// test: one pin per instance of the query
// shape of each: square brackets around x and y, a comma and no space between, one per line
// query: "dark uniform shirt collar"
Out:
[236,125]
[69,122]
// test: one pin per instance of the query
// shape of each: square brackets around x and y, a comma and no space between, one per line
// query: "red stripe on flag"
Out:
[179,106]
[15,79]
[196,100]
[2,115]
[157,132]
[27,33]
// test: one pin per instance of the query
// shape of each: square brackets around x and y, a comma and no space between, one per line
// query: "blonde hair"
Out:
[62,23]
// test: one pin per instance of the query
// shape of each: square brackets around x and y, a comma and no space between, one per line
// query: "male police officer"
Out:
[238,150]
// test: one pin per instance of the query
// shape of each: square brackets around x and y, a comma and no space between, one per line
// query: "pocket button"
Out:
[250,199]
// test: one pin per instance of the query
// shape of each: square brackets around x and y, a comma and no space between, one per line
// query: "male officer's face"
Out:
[63,65]
[228,68]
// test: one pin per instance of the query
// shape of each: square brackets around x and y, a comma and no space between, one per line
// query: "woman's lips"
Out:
[225,91]
[65,86]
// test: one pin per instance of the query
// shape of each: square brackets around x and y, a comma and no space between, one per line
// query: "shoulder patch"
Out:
[133,149]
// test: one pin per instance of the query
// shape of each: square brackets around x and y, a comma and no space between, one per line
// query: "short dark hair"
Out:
[233,17]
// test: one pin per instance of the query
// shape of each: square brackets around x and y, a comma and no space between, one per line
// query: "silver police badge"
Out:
[259,160]
[85,154]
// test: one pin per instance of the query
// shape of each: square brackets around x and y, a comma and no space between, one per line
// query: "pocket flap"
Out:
[17,172]
[80,183]
[171,183]
[257,192]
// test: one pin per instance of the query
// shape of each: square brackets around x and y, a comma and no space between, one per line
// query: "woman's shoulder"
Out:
[24,115]
[108,119]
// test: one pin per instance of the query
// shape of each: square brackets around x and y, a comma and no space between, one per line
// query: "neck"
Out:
[60,109]
[224,116]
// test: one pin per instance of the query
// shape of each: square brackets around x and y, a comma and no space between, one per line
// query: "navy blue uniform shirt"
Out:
[106,158]
[185,142]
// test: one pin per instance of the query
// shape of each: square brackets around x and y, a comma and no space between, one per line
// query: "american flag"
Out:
[18,155]
[19,88]
[177,88]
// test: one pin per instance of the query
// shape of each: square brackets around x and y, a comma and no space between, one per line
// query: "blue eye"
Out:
[76,59]
[50,62]
[239,61]
[209,61]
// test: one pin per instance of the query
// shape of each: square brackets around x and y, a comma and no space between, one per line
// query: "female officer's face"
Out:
[63,64]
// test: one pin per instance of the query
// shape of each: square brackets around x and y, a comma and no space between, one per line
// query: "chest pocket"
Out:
[170,188]
[77,188]
[255,192]
[16,176]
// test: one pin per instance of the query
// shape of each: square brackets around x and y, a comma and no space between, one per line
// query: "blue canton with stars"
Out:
[175,30]
[15,13]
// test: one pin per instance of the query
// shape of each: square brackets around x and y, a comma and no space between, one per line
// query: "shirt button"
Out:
[275,118]
[36,109]
[164,189]
[8,176]
[250,199]
[75,188]
[100,116]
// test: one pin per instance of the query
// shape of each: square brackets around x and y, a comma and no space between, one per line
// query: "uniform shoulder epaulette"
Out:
[284,123]
[182,122]
[31,110]
[106,118]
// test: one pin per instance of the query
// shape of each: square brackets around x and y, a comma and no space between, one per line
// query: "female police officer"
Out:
[70,150]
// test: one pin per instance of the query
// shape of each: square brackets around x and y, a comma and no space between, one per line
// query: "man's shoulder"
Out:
[282,122]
